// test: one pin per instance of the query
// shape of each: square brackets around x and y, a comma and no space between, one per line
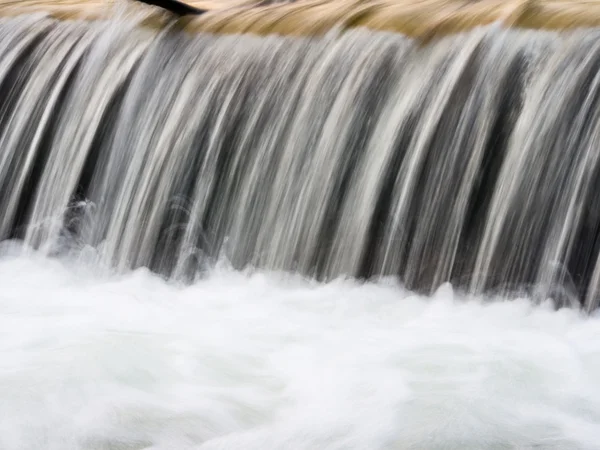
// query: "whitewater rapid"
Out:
[261,360]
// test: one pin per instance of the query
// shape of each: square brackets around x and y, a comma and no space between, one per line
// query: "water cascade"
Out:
[472,159]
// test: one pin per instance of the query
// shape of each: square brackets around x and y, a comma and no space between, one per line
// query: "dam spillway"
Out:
[472,159]
[312,225]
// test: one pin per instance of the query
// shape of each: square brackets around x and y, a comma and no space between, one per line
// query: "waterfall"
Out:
[474,159]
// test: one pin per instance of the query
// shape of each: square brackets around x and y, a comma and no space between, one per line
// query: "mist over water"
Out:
[241,360]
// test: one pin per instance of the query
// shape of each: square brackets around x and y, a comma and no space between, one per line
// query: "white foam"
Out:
[265,361]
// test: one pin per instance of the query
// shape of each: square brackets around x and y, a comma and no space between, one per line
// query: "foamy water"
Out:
[267,361]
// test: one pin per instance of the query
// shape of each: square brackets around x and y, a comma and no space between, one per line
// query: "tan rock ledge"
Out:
[424,19]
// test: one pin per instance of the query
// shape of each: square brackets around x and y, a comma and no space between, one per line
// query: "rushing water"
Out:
[472,160]
[270,361]
[214,242]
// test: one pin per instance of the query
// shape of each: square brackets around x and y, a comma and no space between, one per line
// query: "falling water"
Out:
[473,159]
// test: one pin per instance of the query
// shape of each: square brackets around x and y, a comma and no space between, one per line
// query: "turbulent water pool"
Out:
[273,361]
